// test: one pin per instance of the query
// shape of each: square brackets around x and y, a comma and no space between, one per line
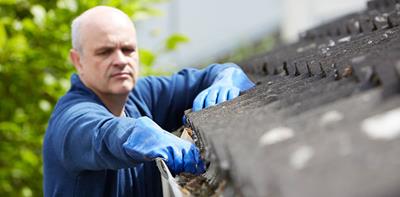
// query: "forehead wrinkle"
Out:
[113,44]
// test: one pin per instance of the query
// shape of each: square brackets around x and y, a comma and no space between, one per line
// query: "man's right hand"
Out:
[149,141]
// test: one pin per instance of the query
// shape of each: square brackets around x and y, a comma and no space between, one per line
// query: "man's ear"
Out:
[75,57]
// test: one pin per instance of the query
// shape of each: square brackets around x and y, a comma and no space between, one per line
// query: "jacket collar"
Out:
[78,86]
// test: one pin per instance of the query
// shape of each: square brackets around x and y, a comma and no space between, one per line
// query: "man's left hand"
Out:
[227,85]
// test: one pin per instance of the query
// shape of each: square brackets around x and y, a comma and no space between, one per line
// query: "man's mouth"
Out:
[122,74]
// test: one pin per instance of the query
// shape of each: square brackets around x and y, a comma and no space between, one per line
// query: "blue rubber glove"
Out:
[149,141]
[227,85]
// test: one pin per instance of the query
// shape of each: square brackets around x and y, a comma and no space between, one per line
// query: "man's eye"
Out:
[104,52]
[128,50]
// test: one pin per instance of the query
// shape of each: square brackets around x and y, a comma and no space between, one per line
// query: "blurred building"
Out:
[299,15]
[217,27]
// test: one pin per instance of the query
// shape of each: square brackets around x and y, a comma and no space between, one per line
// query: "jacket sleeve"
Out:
[168,97]
[85,136]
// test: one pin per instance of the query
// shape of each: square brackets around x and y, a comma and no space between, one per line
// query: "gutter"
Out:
[209,183]
[170,187]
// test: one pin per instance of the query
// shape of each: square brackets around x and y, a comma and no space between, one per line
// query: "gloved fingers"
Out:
[172,152]
[175,162]
[171,164]
[189,162]
[198,102]
[211,99]
[200,167]
[233,93]
[193,162]
[179,162]
[222,95]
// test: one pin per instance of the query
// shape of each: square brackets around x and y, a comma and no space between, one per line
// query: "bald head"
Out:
[105,53]
[97,19]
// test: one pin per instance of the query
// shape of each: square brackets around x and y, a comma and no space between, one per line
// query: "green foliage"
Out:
[174,40]
[34,73]
[148,58]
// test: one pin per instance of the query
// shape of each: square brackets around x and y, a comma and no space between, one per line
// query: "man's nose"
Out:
[119,58]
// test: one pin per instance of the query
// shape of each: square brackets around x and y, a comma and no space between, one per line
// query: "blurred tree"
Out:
[34,73]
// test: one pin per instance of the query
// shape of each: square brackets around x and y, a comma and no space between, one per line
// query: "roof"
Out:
[324,118]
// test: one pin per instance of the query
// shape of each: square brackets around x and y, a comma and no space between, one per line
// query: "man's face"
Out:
[108,62]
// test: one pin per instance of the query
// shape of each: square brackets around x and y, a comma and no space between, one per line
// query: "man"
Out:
[106,132]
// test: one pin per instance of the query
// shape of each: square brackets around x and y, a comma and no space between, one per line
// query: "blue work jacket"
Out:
[83,153]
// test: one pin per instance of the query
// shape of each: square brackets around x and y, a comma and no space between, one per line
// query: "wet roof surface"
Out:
[324,118]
